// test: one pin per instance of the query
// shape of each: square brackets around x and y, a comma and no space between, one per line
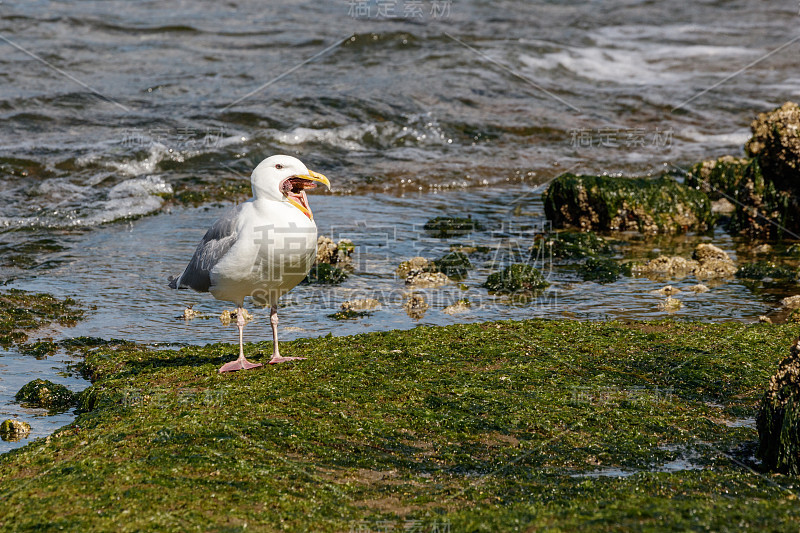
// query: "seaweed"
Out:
[606,203]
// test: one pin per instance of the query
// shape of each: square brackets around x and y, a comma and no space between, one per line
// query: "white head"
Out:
[284,178]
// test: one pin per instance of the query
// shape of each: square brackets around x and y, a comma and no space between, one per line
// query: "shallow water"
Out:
[460,108]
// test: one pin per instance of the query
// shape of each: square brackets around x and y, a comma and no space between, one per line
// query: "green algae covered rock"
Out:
[776,143]
[446,227]
[719,178]
[778,419]
[600,270]
[46,394]
[454,265]
[517,278]
[606,203]
[571,245]
[765,269]
[14,430]
[22,312]
[325,274]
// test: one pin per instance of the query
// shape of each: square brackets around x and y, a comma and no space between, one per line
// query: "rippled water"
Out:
[461,107]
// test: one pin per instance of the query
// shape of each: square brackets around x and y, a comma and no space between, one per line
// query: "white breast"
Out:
[275,247]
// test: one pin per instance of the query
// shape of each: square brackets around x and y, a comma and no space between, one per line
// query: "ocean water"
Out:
[411,109]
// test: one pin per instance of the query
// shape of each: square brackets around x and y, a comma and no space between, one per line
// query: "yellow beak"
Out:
[316,176]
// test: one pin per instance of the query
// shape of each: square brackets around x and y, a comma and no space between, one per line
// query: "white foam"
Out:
[135,167]
[641,55]
[348,137]
[735,138]
[77,205]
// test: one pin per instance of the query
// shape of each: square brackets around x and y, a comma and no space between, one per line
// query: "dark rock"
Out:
[776,143]
[325,274]
[600,270]
[39,349]
[517,278]
[46,394]
[718,178]
[765,269]
[571,245]
[454,265]
[14,430]
[447,227]
[607,203]
[778,419]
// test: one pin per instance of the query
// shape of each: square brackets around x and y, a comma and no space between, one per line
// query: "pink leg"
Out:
[241,363]
[276,354]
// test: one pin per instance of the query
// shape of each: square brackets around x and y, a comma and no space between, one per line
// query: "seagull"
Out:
[261,248]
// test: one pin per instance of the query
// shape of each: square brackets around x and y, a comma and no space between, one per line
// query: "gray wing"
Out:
[215,244]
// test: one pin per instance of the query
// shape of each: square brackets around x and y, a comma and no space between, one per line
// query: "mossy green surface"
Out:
[482,427]
[46,394]
[455,265]
[765,269]
[22,312]
[348,314]
[325,274]
[601,270]
[720,178]
[606,203]
[445,227]
[518,278]
[571,245]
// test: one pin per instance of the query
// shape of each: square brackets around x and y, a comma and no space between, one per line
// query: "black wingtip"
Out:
[173,282]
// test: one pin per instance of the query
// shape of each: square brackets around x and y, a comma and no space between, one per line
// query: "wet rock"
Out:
[793,250]
[423,279]
[778,419]
[454,265]
[762,249]
[189,313]
[709,252]
[14,430]
[415,263]
[713,262]
[670,304]
[709,262]
[718,178]
[600,270]
[699,288]
[607,203]
[762,209]
[363,304]
[356,309]
[667,266]
[570,245]
[461,306]
[517,278]
[39,349]
[46,394]
[415,306]
[337,254]
[447,227]
[723,207]
[761,270]
[791,302]
[325,274]
[776,143]
[668,290]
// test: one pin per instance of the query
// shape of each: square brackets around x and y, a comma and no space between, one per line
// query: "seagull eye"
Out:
[278,166]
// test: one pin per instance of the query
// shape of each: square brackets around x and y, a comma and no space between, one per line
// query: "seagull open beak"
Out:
[293,189]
